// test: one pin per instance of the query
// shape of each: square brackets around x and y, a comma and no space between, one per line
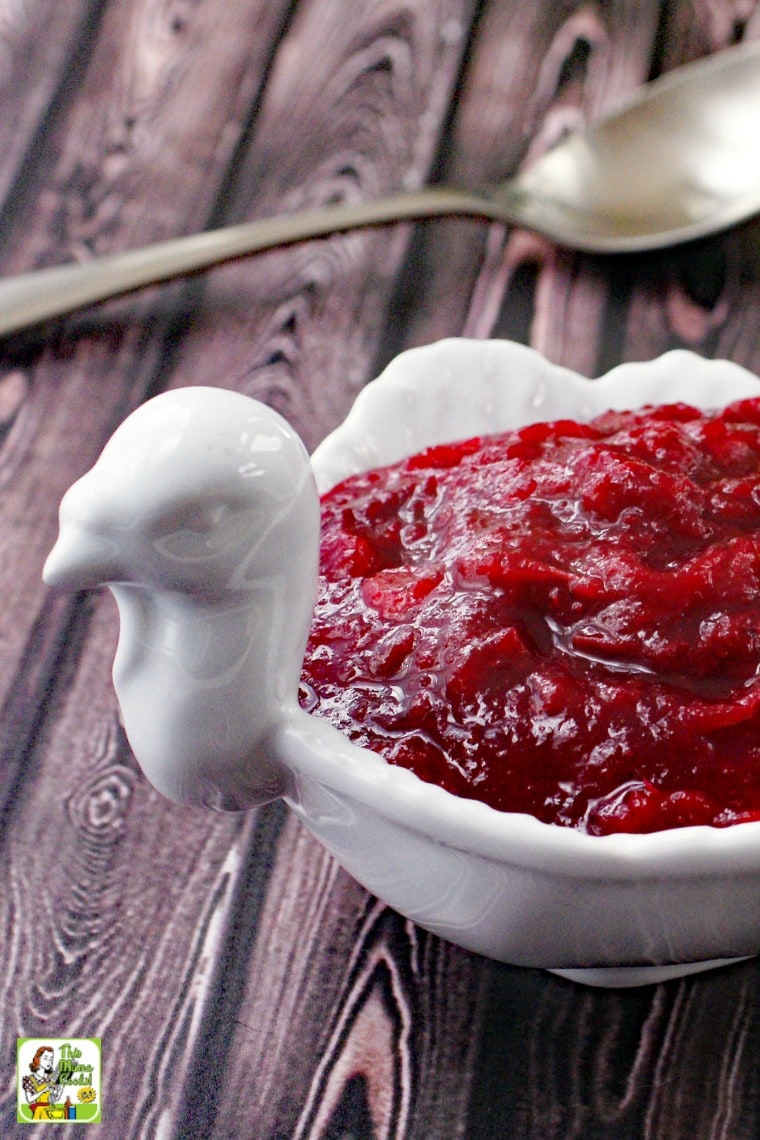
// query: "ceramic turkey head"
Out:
[202,516]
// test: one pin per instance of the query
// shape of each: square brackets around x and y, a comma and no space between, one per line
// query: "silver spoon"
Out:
[678,161]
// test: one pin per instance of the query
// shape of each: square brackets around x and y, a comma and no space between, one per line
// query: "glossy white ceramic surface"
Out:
[218,637]
[202,515]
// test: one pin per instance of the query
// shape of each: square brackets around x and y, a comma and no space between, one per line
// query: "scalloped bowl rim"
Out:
[321,752]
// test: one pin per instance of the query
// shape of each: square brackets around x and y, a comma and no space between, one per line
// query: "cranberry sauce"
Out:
[562,620]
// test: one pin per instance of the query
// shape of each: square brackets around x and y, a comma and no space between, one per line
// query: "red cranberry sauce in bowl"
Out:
[560,620]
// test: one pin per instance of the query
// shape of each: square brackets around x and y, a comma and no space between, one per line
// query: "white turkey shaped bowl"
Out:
[202,517]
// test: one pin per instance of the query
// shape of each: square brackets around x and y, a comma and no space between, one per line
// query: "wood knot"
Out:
[99,806]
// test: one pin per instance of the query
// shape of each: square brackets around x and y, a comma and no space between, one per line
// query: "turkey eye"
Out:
[201,533]
[185,534]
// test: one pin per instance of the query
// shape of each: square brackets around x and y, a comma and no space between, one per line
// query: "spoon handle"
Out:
[30,298]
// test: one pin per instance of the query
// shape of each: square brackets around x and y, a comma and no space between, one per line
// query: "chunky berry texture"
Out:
[562,620]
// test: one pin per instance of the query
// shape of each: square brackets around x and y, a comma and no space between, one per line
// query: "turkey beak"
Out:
[80,560]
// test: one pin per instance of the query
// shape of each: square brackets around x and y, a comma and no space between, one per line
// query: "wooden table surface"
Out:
[242,984]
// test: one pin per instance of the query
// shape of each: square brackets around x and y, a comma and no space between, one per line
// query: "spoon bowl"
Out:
[676,162]
[672,165]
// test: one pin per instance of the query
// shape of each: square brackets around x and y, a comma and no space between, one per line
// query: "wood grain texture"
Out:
[244,986]
[44,39]
[668,1060]
[385,1008]
[82,213]
[142,146]
[359,117]
[61,401]
[536,71]
[86,939]
[85,944]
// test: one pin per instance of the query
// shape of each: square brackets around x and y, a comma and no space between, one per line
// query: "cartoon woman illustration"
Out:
[42,1088]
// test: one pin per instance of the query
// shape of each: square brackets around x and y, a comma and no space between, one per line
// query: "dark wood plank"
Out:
[175,1010]
[707,301]
[48,41]
[63,398]
[668,1060]
[535,71]
[348,1011]
[711,1049]
[298,329]
[142,147]
[103,953]
[115,902]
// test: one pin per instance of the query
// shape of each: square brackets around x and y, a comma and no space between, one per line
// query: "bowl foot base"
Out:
[611,977]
